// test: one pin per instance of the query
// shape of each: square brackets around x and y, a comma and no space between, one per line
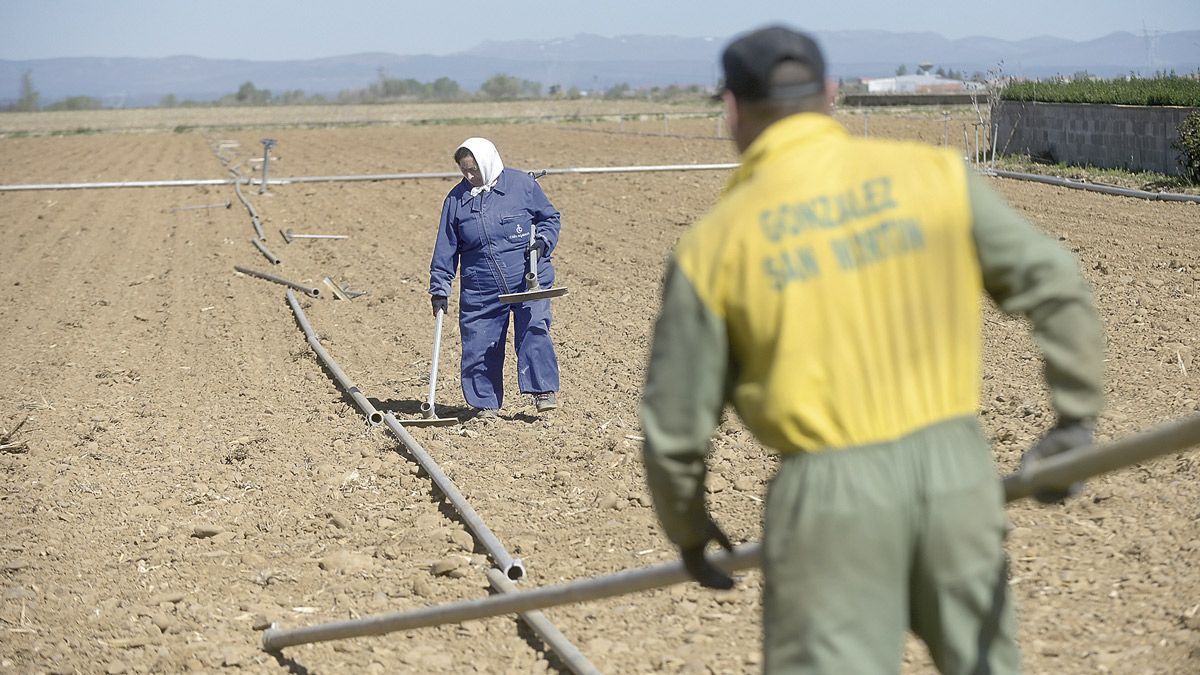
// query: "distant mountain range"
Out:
[590,62]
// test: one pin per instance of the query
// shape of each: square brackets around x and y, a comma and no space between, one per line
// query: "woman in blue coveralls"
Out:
[485,231]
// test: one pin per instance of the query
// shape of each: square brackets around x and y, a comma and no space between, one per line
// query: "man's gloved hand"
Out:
[439,303]
[698,566]
[1066,435]
[540,245]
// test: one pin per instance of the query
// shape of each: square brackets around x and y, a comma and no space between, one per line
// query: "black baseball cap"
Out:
[749,60]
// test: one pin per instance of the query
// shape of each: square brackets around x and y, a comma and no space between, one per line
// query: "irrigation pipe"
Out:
[1001,173]
[455,174]
[254,219]
[512,568]
[1063,469]
[262,248]
[307,290]
[501,579]
[621,583]
[373,416]
[1093,187]
[121,184]
[567,652]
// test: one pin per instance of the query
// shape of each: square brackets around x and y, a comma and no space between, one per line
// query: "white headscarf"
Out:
[488,159]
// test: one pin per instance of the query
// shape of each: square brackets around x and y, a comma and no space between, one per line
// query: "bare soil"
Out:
[190,472]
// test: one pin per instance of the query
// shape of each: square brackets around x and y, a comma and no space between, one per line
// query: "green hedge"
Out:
[1181,91]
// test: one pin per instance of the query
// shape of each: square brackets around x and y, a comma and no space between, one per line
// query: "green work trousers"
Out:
[862,544]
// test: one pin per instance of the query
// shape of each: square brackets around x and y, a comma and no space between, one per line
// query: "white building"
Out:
[923,83]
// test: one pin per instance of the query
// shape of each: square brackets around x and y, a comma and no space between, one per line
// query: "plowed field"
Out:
[187,471]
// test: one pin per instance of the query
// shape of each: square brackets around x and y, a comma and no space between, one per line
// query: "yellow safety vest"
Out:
[846,275]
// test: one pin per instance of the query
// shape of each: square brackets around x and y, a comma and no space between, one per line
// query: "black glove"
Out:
[698,566]
[439,303]
[539,244]
[1066,435]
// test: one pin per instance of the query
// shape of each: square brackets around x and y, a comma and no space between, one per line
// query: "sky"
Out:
[271,30]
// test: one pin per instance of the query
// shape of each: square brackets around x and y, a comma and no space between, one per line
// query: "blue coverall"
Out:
[488,236]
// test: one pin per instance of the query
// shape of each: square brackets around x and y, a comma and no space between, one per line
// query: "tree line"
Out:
[498,87]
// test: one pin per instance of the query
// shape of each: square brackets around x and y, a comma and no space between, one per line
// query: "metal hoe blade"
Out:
[532,290]
[541,294]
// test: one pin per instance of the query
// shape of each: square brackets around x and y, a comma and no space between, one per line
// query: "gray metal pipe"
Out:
[254,219]
[1051,180]
[1092,187]
[307,290]
[268,143]
[1084,463]
[262,248]
[586,590]
[499,578]
[1057,471]
[237,187]
[512,568]
[553,638]
[115,184]
[456,174]
[373,416]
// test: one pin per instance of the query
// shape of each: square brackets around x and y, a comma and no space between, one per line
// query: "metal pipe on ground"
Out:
[553,638]
[1092,187]
[1138,194]
[587,590]
[364,404]
[262,248]
[1057,471]
[512,568]
[197,207]
[307,290]
[114,184]
[254,219]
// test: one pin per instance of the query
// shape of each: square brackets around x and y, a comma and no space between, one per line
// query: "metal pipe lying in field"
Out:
[456,174]
[586,590]
[1052,180]
[226,204]
[254,219]
[115,184]
[553,638]
[364,404]
[1092,187]
[1059,470]
[307,290]
[288,235]
[512,568]
[262,248]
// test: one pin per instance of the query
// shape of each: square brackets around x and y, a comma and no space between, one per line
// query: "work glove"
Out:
[1066,435]
[698,566]
[539,245]
[439,303]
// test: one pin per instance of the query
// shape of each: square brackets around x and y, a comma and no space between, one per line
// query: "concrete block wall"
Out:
[1136,138]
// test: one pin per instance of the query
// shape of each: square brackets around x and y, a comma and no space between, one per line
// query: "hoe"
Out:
[532,290]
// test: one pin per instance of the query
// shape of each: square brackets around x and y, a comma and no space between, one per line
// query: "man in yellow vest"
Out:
[833,296]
